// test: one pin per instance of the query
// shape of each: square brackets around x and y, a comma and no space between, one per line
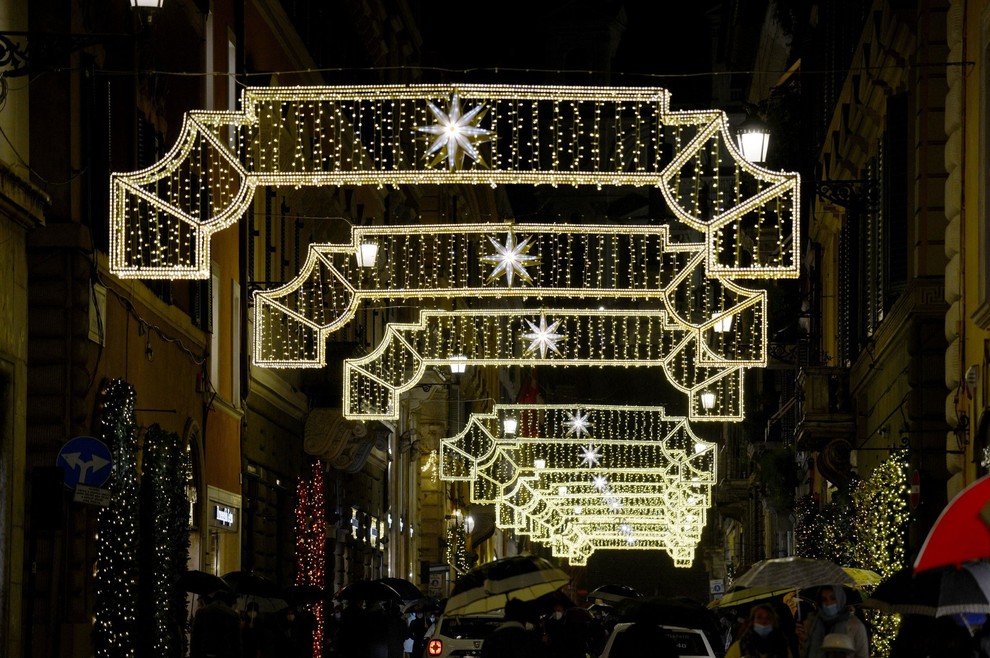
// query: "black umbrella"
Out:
[248,583]
[613,593]
[936,592]
[490,586]
[546,603]
[201,582]
[367,590]
[676,611]
[406,589]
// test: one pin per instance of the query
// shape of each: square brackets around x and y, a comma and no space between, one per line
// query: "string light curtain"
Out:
[593,477]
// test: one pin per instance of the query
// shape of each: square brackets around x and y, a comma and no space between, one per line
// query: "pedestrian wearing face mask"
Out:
[553,632]
[833,616]
[762,637]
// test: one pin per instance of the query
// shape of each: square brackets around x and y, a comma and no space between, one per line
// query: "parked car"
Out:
[689,642]
[460,636]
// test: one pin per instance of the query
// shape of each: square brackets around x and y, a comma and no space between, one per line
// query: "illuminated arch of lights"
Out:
[588,477]
[500,337]
[162,217]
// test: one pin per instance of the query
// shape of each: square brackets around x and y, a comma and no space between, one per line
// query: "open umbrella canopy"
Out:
[676,611]
[935,592]
[793,573]
[201,582]
[959,534]
[367,590]
[406,589]
[744,595]
[248,583]
[613,593]
[297,595]
[490,586]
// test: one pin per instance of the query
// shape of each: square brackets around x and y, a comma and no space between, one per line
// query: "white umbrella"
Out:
[490,586]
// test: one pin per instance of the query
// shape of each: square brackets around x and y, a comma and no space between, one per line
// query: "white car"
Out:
[460,636]
[690,642]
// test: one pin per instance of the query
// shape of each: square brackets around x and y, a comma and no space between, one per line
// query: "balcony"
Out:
[824,407]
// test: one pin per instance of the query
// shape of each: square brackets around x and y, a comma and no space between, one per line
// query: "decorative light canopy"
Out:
[374,382]
[647,485]
[162,217]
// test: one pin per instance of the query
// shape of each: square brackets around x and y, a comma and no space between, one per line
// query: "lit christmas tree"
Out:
[164,542]
[311,530]
[116,599]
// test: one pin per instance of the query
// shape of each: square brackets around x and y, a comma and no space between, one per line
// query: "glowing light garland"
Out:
[650,488]
[311,532]
[631,338]
[162,217]
[629,266]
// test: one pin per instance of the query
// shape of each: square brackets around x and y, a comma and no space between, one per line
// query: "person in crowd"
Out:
[553,632]
[292,635]
[838,645]
[252,633]
[216,631]
[514,637]
[833,616]
[762,637]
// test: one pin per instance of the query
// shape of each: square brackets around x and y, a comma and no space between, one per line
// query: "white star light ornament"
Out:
[456,135]
[511,259]
[590,455]
[600,482]
[543,338]
[577,424]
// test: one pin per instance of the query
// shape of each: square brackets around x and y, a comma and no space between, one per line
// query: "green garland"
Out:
[116,587]
[164,543]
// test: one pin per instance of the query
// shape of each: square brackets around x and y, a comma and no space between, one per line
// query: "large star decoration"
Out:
[511,259]
[577,424]
[590,455]
[456,135]
[600,482]
[543,338]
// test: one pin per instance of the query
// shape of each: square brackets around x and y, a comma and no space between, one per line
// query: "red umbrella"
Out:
[959,534]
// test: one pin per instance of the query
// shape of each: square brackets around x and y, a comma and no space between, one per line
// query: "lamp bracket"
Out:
[22,53]
[860,194]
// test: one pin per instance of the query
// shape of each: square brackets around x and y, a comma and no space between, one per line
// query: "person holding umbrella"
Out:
[833,616]
[513,638]
[762,637]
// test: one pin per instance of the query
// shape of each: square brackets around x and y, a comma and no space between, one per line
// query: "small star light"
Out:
[511,259]
[590,455]
[577,424]
[599,481]
[456,134]
[543,337]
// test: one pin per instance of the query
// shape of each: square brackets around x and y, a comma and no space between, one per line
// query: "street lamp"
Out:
[458,364]
[509,425]
[708,399]
[366,254]
[753,138]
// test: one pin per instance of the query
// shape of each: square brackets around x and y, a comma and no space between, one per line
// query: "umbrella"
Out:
[742,595]
[248,583]
[201,582]
[936,592]
[406,589]
[793,573]
[546,603]
[490,586]
[675,611]
[613,593]
[959,534]
[367,590]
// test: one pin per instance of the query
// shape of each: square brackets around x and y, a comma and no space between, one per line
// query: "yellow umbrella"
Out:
[861,578]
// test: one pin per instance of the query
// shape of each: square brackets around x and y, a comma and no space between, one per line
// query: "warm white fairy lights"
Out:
[495,337]
[648,486]
[628,265]
[162,217]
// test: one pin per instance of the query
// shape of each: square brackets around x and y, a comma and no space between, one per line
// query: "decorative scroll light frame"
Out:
[162,217]
[627,265]
[651,487]
[496,337]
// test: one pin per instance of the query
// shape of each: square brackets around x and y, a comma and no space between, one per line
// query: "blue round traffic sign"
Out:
[85,460]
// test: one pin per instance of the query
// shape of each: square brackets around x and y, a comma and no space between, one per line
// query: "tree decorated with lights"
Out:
[881,519]
[311,530]
[116,597]
[164,542]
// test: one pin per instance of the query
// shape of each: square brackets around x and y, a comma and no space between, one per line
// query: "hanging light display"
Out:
[637,479]
[632,338]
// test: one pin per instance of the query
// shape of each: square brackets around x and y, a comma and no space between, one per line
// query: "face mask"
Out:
[412,615]
[252,614]
[762,630]
[830,610]
[558,615]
